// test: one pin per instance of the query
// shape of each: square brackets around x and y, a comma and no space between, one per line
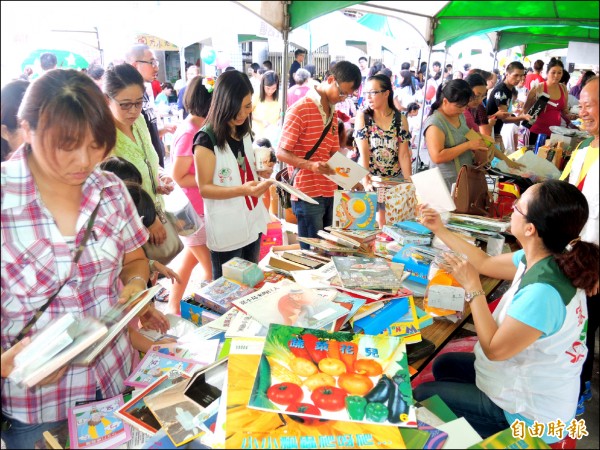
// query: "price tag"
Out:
[446,297]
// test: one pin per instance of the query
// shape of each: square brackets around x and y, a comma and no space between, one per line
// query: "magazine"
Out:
[365,273]
[347,172]
[343,376]
[95,425]
[154,365]
[354,210]
[289,303]
[136,412]
[247,428]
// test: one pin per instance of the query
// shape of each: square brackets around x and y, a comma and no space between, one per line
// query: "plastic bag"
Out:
[187,221]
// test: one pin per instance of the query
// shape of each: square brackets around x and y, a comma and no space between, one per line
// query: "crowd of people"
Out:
[87,149]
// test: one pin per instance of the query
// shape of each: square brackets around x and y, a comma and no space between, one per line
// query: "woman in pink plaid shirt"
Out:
[49,188]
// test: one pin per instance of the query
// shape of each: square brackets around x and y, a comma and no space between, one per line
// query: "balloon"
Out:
[208,55]
[223,61]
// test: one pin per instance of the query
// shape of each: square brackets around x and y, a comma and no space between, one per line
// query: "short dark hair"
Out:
[515,65]
[346,72]
[95,71]
[64,106]
[413,106]
[143,203]
[48,61]
[268,65]
[405,66]
[475,80]
[12,96]
[166,85]
[538,65]
[230,90]
[299,52]
[197,99]
[255,67]
[230,69]
[363,58]
[437,64]
[119,77]
[387,72]
[311,69]
[122,168]
[264,142]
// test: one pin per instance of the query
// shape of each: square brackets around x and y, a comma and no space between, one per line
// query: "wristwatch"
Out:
[471,295]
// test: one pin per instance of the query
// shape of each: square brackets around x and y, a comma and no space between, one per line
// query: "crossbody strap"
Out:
[80,248]
[314,149]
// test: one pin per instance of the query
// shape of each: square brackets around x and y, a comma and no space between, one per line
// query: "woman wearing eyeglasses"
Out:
[445,131]
[124,89]
[382,136]
[531,349]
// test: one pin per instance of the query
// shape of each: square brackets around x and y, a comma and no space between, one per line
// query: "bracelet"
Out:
[471,295]
[137,277]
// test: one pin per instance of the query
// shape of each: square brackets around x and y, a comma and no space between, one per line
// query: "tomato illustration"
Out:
[305,408]
[285,393]
[329,398]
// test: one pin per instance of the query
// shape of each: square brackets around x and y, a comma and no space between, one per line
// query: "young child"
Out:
[265,160]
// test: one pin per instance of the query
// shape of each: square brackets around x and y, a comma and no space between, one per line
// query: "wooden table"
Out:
[441,331]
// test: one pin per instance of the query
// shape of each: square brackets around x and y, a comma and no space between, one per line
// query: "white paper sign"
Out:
[446,297]
[432,190]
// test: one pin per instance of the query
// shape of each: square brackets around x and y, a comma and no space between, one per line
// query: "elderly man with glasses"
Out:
[141,57]
[306,121]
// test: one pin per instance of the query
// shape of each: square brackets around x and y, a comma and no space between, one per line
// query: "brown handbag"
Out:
[471,195]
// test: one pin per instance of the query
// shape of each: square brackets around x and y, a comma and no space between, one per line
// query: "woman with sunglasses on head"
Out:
[382,137]
[71,236]
[124,90]
[445,131]
[227,177]
[527,362]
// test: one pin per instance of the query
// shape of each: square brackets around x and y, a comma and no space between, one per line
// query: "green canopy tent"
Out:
[65,59]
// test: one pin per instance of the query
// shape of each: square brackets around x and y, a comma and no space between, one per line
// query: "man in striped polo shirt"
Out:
[304,123]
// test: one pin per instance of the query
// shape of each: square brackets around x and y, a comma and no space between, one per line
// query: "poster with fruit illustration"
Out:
[336,376]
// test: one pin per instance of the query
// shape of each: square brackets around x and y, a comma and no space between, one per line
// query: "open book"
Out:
[72,339]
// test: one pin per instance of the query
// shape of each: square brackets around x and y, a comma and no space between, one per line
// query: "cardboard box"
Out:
[569,142]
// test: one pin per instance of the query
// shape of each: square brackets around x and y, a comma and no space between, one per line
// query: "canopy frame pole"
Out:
[443,68]
[496,45]
[418,161]
[182,63]
[285,61]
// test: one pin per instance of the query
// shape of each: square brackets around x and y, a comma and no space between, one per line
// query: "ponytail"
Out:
[579,263]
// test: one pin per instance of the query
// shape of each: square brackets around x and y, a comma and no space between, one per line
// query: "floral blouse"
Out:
[384,160]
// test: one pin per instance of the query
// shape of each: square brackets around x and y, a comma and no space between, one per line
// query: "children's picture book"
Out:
[248,428]
[360,236]
[347,172]
[400,203]
[154,365]
[354,210]
[338,240]
[365,273]
[176,413]
[136,412]
[243,325]
[95,425]
[432,190]
[338,376]
[116,319]
[289,303]
[219,294]
[317,278]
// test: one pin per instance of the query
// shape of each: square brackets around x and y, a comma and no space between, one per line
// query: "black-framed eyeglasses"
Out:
[152,62]
[340,93]
[373,93]
[126,106]
[516,208]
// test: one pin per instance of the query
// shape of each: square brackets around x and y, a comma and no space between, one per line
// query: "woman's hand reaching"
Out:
[158,233]
[430,218]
